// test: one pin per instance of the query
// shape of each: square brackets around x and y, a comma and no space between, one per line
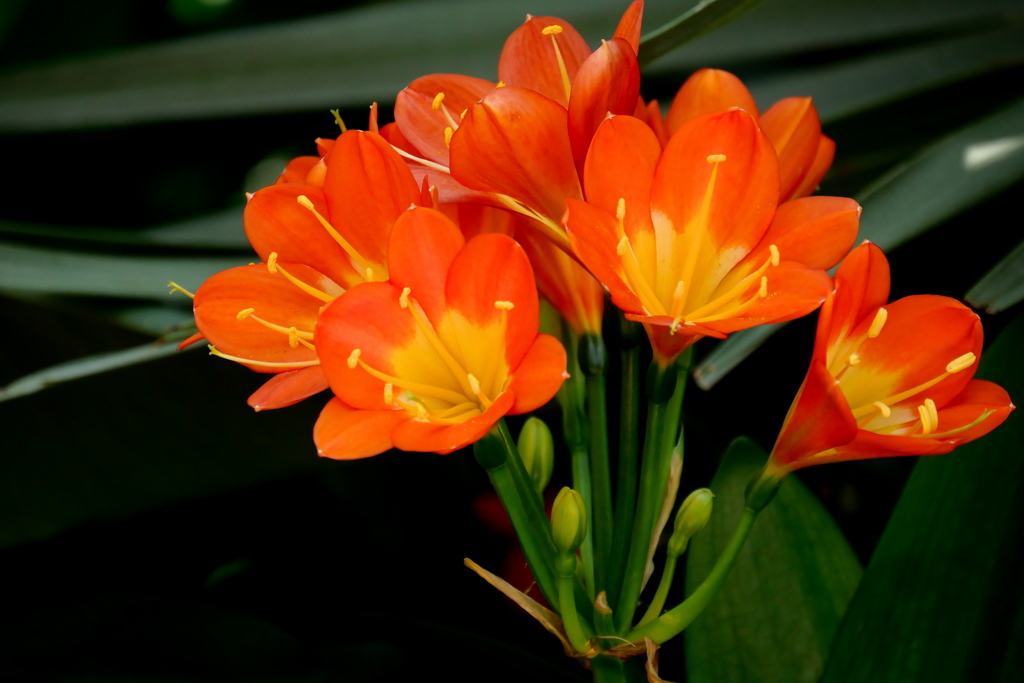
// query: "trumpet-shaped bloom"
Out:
[322,228]
[689,241]
[887,379]
[430,360]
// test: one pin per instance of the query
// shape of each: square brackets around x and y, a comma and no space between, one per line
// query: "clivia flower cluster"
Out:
[401,268]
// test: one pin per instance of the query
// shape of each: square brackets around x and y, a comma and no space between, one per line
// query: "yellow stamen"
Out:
[553,31]
[419,160]
[353,358]
[716,158]
[763,290]
[448,133]
[442,351]
[678,299]
[438,99]
[501,84]
[474,383]
[293,337]
[620,209]
[878,323]
[961,363]
[421,411]
[854,359]
[621,247]
[272,262]
[882,408]
[926,420]
[504,305]
[175,287]
[245,313]
[307,344]
[304,201]
[368,275]
[933,412]
[403,300]
[634,277]
[958,430]
[463,114]
[775,254]
[248,361]
[389,393]
[274,267]
[337,119]
[456,410]
[693,242]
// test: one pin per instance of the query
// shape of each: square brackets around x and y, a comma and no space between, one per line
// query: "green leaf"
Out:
[942,594]
[52,271]
[1001,287]
[777,612]
[856,85]
[701,18]
[946,178]
[730,353]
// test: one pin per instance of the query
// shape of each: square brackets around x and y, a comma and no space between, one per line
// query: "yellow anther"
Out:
[353,359]
[337,119]
[620,248]
[926,420]
[716,158]
[448,133]
[272,262]
[674,326]
[961,363]
[403,300]
[504,305]
[552,30]
[854,359]
[463,114]
[620,209]
[421,411]
[438,99]
[474,384]
[389,393]
[878,323]
[775,254]
[175,287]
[933,412]
[368,274]
[882,408]
[293,337]
[763,291]
[501,84]
[245,313]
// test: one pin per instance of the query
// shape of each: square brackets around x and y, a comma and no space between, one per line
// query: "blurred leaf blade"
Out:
[774,618]
[730,353]
[1001,287]
[698,20]
[942,594]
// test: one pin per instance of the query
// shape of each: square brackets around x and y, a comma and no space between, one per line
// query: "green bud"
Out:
[693,514]
[537,449]
[568,521]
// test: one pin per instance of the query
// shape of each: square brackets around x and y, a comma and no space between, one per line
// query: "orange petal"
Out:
[822,162]
[794,128]
[568,286]
[288,388]
[965,408]
[423,245]
[593,234]
[344,433]
[862,285]
[489,269]
[515,142]
[416,435]
[607,83]
[367,186]
[539,377]
[396,138]
[274,299]
[708,91]
[297,169]
[629,25]
[657,122]
[477,219]
[423,124]
[529,60]
[818,420]
[276,222]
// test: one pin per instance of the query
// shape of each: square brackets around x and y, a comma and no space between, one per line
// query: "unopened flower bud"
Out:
[537,449]
[693,514]
[568,521]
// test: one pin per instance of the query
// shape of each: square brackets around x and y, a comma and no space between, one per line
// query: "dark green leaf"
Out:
[1003,286]
[701,18]
[730,353]
[777,612]
[942,594]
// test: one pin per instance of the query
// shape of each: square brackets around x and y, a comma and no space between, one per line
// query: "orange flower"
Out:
[887,379]
[430,360]
[321,229]
[688,240]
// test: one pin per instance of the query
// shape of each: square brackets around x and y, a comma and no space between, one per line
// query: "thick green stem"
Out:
[625,486]
[658,602]
[612,670]
[678,618]
[574,628]
[600,471]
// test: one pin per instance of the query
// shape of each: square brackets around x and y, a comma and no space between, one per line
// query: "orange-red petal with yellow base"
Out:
[514,142]
[630,23]
[608,82]
[431,104]
[275,222]
[367,186]
[296,170]
[708,91]
[819,167]
[422,435]
[818,420]
[716,188]
[862,286]
[422,247]
[288,388]
[273,299]
[593,234]
[473,290]
[344,433]
[539,376]
[529,58]
[794,128]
